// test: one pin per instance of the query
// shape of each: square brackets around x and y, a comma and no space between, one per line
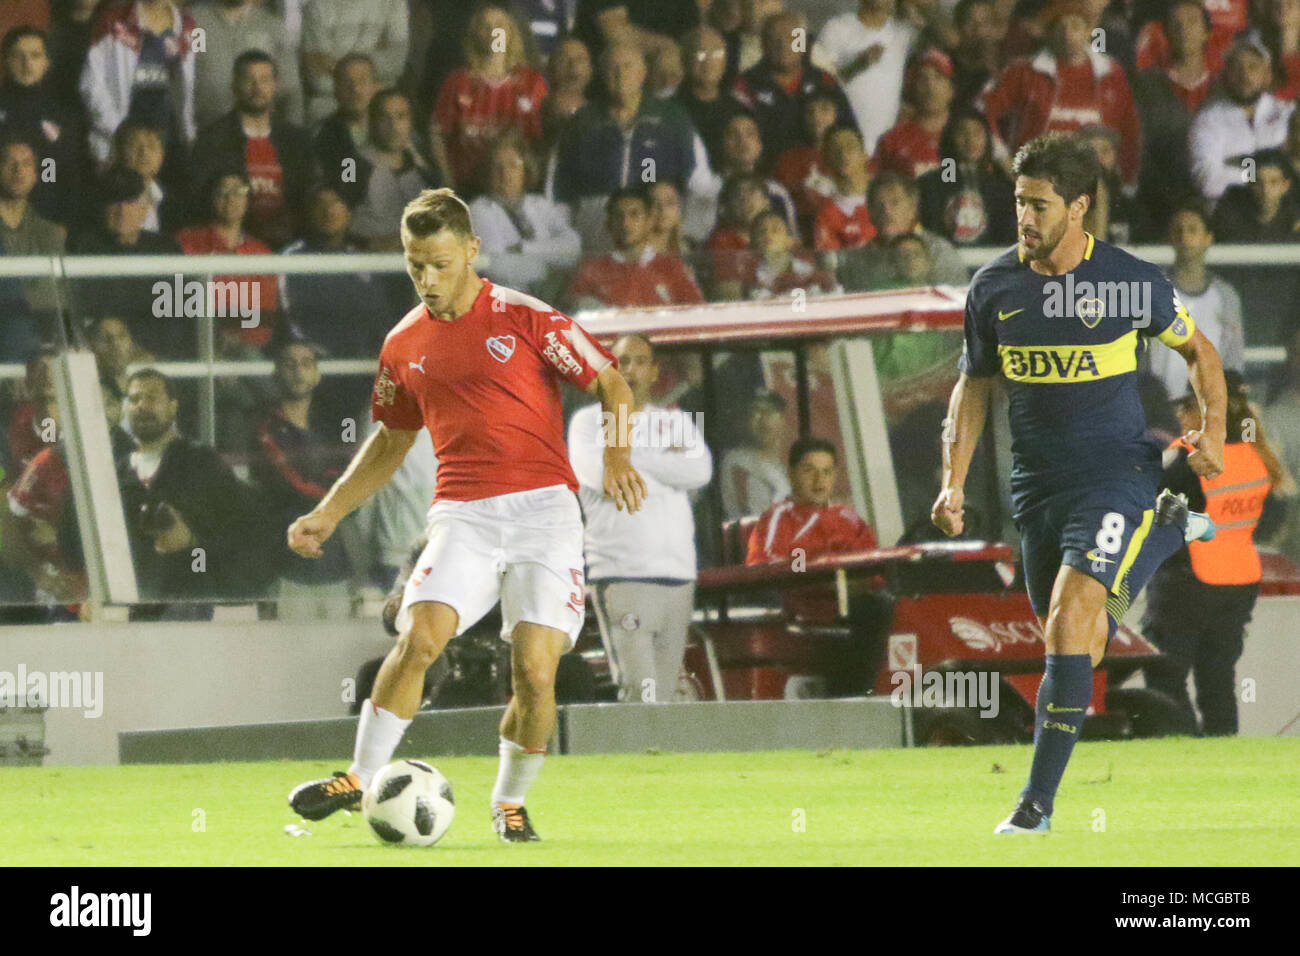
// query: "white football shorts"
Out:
[523,549]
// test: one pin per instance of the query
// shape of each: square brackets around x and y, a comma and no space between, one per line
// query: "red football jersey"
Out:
[908,148]
[487,386]
[472,114]
[843,223]
[787,525]
[655,279]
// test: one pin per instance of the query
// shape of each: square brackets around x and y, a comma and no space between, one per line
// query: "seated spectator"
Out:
[702,95]
[30,424]
[276,156]
[843,221]
[31,108]
[753,475]
[118,229]
[867,50]
[343,136]
[346,314]
[294,462]
[802,170]
[1211,299]
[972,201]
[633,274]
[1066,86]
[976,57]
[667,234]
[911,146]
[23,231]
[331,29]
[806,526]
[527,238]
[140,65]
[775,90]
[395,173]
[1246,120]
[1115,215]
[642,566]
[1277,29]
[1158,48]
[141,148]
[665,70]
[743,198]
[743,30]
[116,350]
[894,204]
[1265,209]
[179,496]
[742,154]
[546,23]
[1167,97]
[223,233]
[497,93]
[232,27]
[568,74]
[611,143]
[777,266]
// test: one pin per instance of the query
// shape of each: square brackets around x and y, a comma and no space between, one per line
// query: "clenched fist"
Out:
[309,533]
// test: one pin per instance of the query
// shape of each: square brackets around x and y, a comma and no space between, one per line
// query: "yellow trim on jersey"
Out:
[1047,364]
[1171,336]
[1131,552]
[1092,240]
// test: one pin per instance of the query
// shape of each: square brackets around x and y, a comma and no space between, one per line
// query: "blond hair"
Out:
[434,210]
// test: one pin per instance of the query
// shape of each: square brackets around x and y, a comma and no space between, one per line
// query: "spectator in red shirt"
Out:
[843,221]
[911,147]
[497,93]
[633,274]
[1065,86]
[28,427]
[802,170]
[742,153]
[743,198]
[777,267]
[1224,19]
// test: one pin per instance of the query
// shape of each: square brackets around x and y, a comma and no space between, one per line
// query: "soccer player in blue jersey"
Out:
[1063,317]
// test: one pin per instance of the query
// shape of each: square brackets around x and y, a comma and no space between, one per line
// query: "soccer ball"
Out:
[409,803]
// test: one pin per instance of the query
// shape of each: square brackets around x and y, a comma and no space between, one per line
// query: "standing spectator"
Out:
[1066,86]
[1201,599]
[497,93]
[294,462]
[911,146]
[633,274]
[868,51]
[972,202]
[140,65]
[802,169]
[179,496]
[345,133]
[23,231]
[776,89]
[333,28]
[1167,98]
[568,74]
[223,233]
[1212,300]
[843,221]
[754,474]
[894,203]
[702,95]
[275,156]
[1245,120]
[141,148]
[232,27]
[975,58]
[642,566]
[1265,209]
[527,237]
[31,107]
[777,266]
[395,172]
[620,140]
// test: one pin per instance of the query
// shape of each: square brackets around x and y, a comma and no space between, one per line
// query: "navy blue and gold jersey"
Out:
[1068,348]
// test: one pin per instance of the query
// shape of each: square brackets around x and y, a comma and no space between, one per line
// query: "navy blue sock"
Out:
[1063,698]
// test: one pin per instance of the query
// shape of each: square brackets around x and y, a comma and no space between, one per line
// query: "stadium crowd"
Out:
[614,153]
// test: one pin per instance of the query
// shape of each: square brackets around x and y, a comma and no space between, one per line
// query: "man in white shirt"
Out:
[868,51]
[1244,121]
[642,566]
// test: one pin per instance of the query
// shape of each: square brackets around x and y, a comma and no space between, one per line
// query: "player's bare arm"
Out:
[967,410]
[368,471]
[1205,373]
[622,482]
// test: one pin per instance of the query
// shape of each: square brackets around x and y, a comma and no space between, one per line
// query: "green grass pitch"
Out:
[1142,803]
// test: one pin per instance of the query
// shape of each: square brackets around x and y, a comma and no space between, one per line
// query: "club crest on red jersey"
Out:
[385,388]
[501,347]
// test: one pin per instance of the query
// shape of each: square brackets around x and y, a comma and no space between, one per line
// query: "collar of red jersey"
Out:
[647,256]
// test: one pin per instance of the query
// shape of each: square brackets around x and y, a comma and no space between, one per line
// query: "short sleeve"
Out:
[569,349]
[390,402]
[979,354]
[1171,323]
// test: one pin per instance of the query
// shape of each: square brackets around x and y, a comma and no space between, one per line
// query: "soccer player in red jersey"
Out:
[480,366]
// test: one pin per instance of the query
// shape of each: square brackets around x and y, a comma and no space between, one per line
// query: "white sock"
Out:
[378,734]
[516,772]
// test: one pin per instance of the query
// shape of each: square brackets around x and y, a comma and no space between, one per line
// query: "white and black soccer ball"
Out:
[409,803]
